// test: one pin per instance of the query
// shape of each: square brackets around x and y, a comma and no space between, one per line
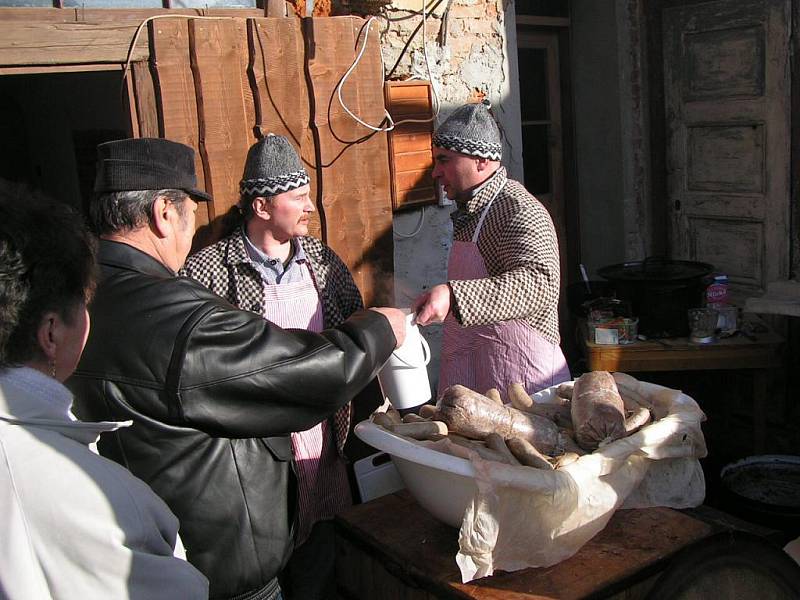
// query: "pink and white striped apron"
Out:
[498,354]
[323,488]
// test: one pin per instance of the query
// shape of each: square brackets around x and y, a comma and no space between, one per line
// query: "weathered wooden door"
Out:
[726,69]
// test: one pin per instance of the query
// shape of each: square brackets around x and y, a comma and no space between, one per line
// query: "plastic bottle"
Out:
[718,299]
[717,292]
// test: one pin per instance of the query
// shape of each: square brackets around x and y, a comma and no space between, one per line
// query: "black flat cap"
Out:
[146,164]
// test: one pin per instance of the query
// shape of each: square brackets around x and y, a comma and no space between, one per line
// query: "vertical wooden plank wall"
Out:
[145,96]
[280,89]
[221,84]
[354,170]
[171,65]
[222,122]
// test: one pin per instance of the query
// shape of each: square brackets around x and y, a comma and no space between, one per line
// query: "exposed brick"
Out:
[478,11]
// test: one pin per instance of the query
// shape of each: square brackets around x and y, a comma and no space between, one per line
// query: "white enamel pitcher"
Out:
[404,377]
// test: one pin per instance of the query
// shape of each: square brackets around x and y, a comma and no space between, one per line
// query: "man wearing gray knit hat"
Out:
[500,303]
[272,167]
[271,266]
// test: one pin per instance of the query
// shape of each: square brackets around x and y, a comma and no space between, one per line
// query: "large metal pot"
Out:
[764,489]
[660,291]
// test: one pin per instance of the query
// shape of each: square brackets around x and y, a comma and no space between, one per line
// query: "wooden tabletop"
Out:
[394,535]
[761,351]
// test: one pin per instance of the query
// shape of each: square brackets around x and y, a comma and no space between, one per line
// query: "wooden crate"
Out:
[410,156]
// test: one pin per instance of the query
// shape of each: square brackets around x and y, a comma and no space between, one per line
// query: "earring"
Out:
[52,365]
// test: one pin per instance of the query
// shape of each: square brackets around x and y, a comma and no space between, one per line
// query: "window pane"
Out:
[533,84]
[213,3]
[113,4]
[536,158]
[47,3]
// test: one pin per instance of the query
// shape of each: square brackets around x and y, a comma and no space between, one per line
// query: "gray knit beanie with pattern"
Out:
[471,130]
[272,167]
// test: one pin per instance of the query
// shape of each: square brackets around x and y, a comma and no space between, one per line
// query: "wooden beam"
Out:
[53,36]
[115,15]
[145,97]
[49,69]
[33,43]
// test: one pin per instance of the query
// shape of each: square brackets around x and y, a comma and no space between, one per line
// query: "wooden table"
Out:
[759,353]
[391,548]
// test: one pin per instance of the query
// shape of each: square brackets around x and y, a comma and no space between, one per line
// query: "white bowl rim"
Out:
[399,447]
[403,448]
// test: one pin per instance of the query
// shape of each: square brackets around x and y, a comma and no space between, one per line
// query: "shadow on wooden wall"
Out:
[218,85]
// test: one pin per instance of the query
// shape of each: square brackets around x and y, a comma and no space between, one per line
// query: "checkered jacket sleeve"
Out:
[519,245]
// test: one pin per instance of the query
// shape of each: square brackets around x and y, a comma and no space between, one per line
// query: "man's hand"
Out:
[397,319]
[433,306]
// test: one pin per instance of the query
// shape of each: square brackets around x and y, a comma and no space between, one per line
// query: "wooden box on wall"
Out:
[410,156]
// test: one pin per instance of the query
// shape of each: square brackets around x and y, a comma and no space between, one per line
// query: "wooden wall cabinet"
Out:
[410,155]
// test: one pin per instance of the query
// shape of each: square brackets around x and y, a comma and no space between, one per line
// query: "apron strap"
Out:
[483,216]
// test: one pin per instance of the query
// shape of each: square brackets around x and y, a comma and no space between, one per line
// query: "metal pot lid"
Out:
[769,479]
[656,270]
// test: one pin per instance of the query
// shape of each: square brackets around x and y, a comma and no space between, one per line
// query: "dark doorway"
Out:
[51,124]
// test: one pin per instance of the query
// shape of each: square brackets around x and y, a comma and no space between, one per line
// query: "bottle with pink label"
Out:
[717,292]
[717,298]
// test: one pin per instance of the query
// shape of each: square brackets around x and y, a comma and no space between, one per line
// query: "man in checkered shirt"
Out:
[271,266]
[500,303]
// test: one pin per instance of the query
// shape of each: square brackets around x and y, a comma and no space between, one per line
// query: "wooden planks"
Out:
[217,84]
[216,47]
[353,167]
[175,93]
[410,144]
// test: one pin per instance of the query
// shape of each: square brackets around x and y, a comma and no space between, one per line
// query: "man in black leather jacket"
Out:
[213,391]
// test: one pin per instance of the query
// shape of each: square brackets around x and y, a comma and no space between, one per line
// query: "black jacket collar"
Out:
[123,256]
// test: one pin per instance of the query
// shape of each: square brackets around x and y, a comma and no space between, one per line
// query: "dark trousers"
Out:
[310,573]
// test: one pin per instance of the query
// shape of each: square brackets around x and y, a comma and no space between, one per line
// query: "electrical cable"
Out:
[416,230]
[365,29]
[435,95]
[413,13]
[339,87]
[410,38]
[126,67]
[428,66]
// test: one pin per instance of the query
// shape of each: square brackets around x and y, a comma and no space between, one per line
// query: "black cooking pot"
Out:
[765,490]
[660,292]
